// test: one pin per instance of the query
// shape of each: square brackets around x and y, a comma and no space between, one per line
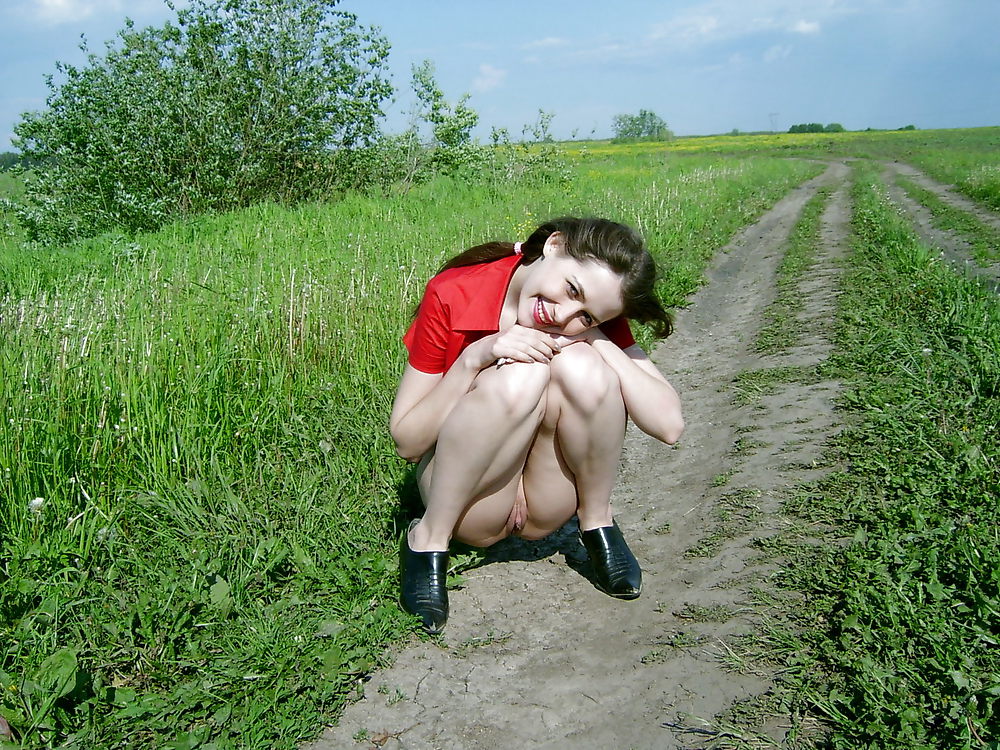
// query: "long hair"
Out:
[617,246]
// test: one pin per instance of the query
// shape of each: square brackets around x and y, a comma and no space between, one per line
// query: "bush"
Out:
[645,126]
[452,150]
[236,102]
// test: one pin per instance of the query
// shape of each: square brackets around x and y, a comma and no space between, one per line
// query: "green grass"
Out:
[983,238]
[968,158]
[893,642]
[780,330]
[202,415]
[11,234]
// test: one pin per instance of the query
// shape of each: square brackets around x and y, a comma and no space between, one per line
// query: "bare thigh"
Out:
[484,521]
[548,485]
[540,483]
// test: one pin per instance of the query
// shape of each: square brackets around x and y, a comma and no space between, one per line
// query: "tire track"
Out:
[956,251]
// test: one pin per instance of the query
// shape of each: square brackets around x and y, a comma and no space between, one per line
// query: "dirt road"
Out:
[534,656]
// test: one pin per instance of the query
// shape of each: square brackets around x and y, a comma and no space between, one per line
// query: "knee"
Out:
[519,388]
[584,379]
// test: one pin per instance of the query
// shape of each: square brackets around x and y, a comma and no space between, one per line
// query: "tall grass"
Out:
[199,499]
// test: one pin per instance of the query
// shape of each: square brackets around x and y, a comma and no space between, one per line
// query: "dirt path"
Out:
[534,656]
[954,248]
[946,193]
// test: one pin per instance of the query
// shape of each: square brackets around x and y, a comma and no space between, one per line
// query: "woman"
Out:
[522,372]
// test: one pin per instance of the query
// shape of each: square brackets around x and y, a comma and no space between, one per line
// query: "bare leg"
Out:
[480,453]
[590,429]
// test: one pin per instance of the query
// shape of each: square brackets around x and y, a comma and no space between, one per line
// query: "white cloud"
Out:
[806,27]
[549,41]
[777,52]
[55,12]
[489,78]
[693,27]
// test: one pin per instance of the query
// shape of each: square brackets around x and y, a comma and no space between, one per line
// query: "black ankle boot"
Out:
[423,585]
[615,567]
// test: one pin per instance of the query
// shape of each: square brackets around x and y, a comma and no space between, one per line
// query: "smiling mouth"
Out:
[540,315]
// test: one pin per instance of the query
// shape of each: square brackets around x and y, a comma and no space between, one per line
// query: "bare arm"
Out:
[652,402]
[424,400]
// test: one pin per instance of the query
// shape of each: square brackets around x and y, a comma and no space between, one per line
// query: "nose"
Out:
[565,312]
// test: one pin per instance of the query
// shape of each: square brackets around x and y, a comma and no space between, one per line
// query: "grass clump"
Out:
[750,386]
[781,331]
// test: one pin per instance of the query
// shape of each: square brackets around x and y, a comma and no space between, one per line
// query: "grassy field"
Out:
[969,158]
[199,499]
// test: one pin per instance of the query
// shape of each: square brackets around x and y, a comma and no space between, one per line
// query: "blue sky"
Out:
[705,66]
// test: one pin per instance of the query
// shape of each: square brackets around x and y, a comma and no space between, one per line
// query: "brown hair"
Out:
[617,246]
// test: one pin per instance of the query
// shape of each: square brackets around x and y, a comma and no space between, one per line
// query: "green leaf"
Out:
[960,680]
[220,595]
[57,674]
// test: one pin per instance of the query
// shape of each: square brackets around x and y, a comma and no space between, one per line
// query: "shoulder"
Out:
[465,279]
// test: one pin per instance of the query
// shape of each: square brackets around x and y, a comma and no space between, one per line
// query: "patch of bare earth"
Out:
[954,248]
[535,656]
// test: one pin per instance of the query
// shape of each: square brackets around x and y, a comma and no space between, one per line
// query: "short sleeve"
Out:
[617,329]
[427,337]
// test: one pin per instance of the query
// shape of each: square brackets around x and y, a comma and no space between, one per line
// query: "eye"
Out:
[587,318]
[573,291]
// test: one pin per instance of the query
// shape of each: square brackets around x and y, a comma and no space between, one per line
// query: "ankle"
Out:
[420,539]
[588,522]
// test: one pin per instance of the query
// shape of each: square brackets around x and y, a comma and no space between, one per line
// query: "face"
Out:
[564,296]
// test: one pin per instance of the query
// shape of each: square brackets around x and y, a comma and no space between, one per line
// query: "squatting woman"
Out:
[522,372]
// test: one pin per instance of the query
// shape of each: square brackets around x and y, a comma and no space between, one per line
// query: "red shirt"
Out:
[462,305]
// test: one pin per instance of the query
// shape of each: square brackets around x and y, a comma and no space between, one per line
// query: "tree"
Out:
[235,102]
[645,126]
[451,125]
[815,127]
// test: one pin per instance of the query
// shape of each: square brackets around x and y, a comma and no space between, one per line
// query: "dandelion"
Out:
[35,506]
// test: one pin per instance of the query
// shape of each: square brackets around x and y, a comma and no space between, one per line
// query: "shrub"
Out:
[453,149]
[645,126]
[238,101]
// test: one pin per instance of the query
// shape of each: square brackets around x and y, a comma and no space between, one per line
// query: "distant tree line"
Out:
[815,127]
[10,160]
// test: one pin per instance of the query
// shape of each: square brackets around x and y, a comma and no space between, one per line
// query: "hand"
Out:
[586,337]
[517,344]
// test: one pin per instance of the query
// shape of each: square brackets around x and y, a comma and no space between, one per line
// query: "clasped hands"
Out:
[522,344]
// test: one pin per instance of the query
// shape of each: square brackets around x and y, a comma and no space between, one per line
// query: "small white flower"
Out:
[926,352]
[35,506]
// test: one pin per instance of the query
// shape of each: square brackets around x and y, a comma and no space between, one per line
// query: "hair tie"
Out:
[517,248]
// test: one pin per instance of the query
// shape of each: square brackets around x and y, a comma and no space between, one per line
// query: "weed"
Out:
[720,480]
[706,613]
[752,385]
